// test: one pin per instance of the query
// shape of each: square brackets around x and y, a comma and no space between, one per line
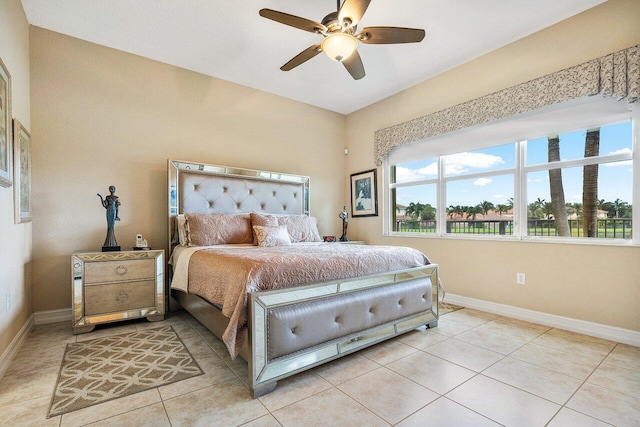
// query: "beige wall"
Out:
[593,283]
[15,239]
[103,117]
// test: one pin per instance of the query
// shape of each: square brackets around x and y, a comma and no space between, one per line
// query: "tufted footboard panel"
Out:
[295,327]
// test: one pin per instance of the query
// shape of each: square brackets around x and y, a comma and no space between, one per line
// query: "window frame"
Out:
[519,172]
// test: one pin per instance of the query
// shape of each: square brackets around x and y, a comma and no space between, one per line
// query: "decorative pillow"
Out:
[219,229]
[262,221]
[272,236]
[301,228]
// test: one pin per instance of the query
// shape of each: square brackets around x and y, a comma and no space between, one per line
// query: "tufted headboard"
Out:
[201,188]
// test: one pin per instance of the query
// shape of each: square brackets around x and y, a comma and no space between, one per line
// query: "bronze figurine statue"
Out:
[111,204]
[345,223]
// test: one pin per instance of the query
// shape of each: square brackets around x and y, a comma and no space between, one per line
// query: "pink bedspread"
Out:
[225,276]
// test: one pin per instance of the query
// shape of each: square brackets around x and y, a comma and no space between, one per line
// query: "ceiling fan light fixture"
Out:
[339,46]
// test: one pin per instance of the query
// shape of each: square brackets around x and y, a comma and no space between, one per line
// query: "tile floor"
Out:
[475,369]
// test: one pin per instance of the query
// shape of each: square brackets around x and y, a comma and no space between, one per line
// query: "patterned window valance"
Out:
[615,75]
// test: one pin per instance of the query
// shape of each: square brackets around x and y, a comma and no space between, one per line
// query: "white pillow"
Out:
[272,236]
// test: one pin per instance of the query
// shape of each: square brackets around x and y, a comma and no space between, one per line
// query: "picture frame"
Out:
[5,126]
[21,172]
[364,194]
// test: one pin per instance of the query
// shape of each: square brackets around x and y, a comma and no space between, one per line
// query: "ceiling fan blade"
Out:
[354,65]
[293,21]
[352,11]
[302,57]
[390,35]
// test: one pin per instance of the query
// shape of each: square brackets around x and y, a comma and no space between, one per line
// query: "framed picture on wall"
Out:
[21,172]
[364,194]
[5,126]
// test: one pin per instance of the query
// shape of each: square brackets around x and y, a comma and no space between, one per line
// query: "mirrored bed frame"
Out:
[201,188]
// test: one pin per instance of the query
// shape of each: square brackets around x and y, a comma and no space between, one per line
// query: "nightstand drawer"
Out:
[119,270]
[117,297]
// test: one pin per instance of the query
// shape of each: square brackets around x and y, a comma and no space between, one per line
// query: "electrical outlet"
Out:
[8,302]
[520,278]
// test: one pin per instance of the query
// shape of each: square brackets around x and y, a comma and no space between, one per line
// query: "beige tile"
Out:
[542,382]
[329,408]
[468,317]
[149,416]
[29,360]
[110,409]
[624,356]
[29,413]
[432,372]
[502,403]
[570,418]
[215,372]
[575,344]
[294,389]
[421,338]
[451,328]
[466,355]
[264,421]
[502,344]
[196,345]
[387,351]
[560,361]
[21,387]
[345,368]
[515,328]
[580,337]
[227,404]
[388,394]
[623,380]
[606,405]
[444,412]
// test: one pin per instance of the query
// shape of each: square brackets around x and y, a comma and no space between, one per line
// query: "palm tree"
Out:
[502,209]
[486,207]
[558,205]
[472,211]
[451,210]
[414,210]
[590,185]
[548,211]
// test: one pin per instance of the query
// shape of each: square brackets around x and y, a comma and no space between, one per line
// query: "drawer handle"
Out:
[120,270]
[122,297]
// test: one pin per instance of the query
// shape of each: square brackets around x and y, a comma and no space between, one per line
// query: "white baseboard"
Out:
[612,333]
[52,316]
[14,346]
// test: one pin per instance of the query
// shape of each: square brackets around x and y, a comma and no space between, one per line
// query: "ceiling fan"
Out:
[341,36]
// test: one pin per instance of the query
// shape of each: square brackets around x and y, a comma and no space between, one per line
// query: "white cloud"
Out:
[460,163]
[622,151]
[481,182]
[577,196]
[409,175]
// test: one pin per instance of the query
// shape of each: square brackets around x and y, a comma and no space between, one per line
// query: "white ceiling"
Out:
[230,41]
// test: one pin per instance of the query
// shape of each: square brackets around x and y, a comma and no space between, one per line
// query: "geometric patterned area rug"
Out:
[107,368]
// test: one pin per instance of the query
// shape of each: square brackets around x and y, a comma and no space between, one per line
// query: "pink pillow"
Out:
[219,229]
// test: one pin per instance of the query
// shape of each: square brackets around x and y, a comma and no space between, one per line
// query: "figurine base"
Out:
[110,248]
[344,239]
[141,248]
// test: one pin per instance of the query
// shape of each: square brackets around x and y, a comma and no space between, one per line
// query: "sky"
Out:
[614,179]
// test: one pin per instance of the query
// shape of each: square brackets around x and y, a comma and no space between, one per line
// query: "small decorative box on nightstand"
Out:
[113,286]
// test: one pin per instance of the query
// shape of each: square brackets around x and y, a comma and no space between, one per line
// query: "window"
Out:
[571,185]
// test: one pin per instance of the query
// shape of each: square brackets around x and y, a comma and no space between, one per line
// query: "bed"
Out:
[248,263]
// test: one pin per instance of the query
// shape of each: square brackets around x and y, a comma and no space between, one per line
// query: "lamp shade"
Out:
[339,46]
